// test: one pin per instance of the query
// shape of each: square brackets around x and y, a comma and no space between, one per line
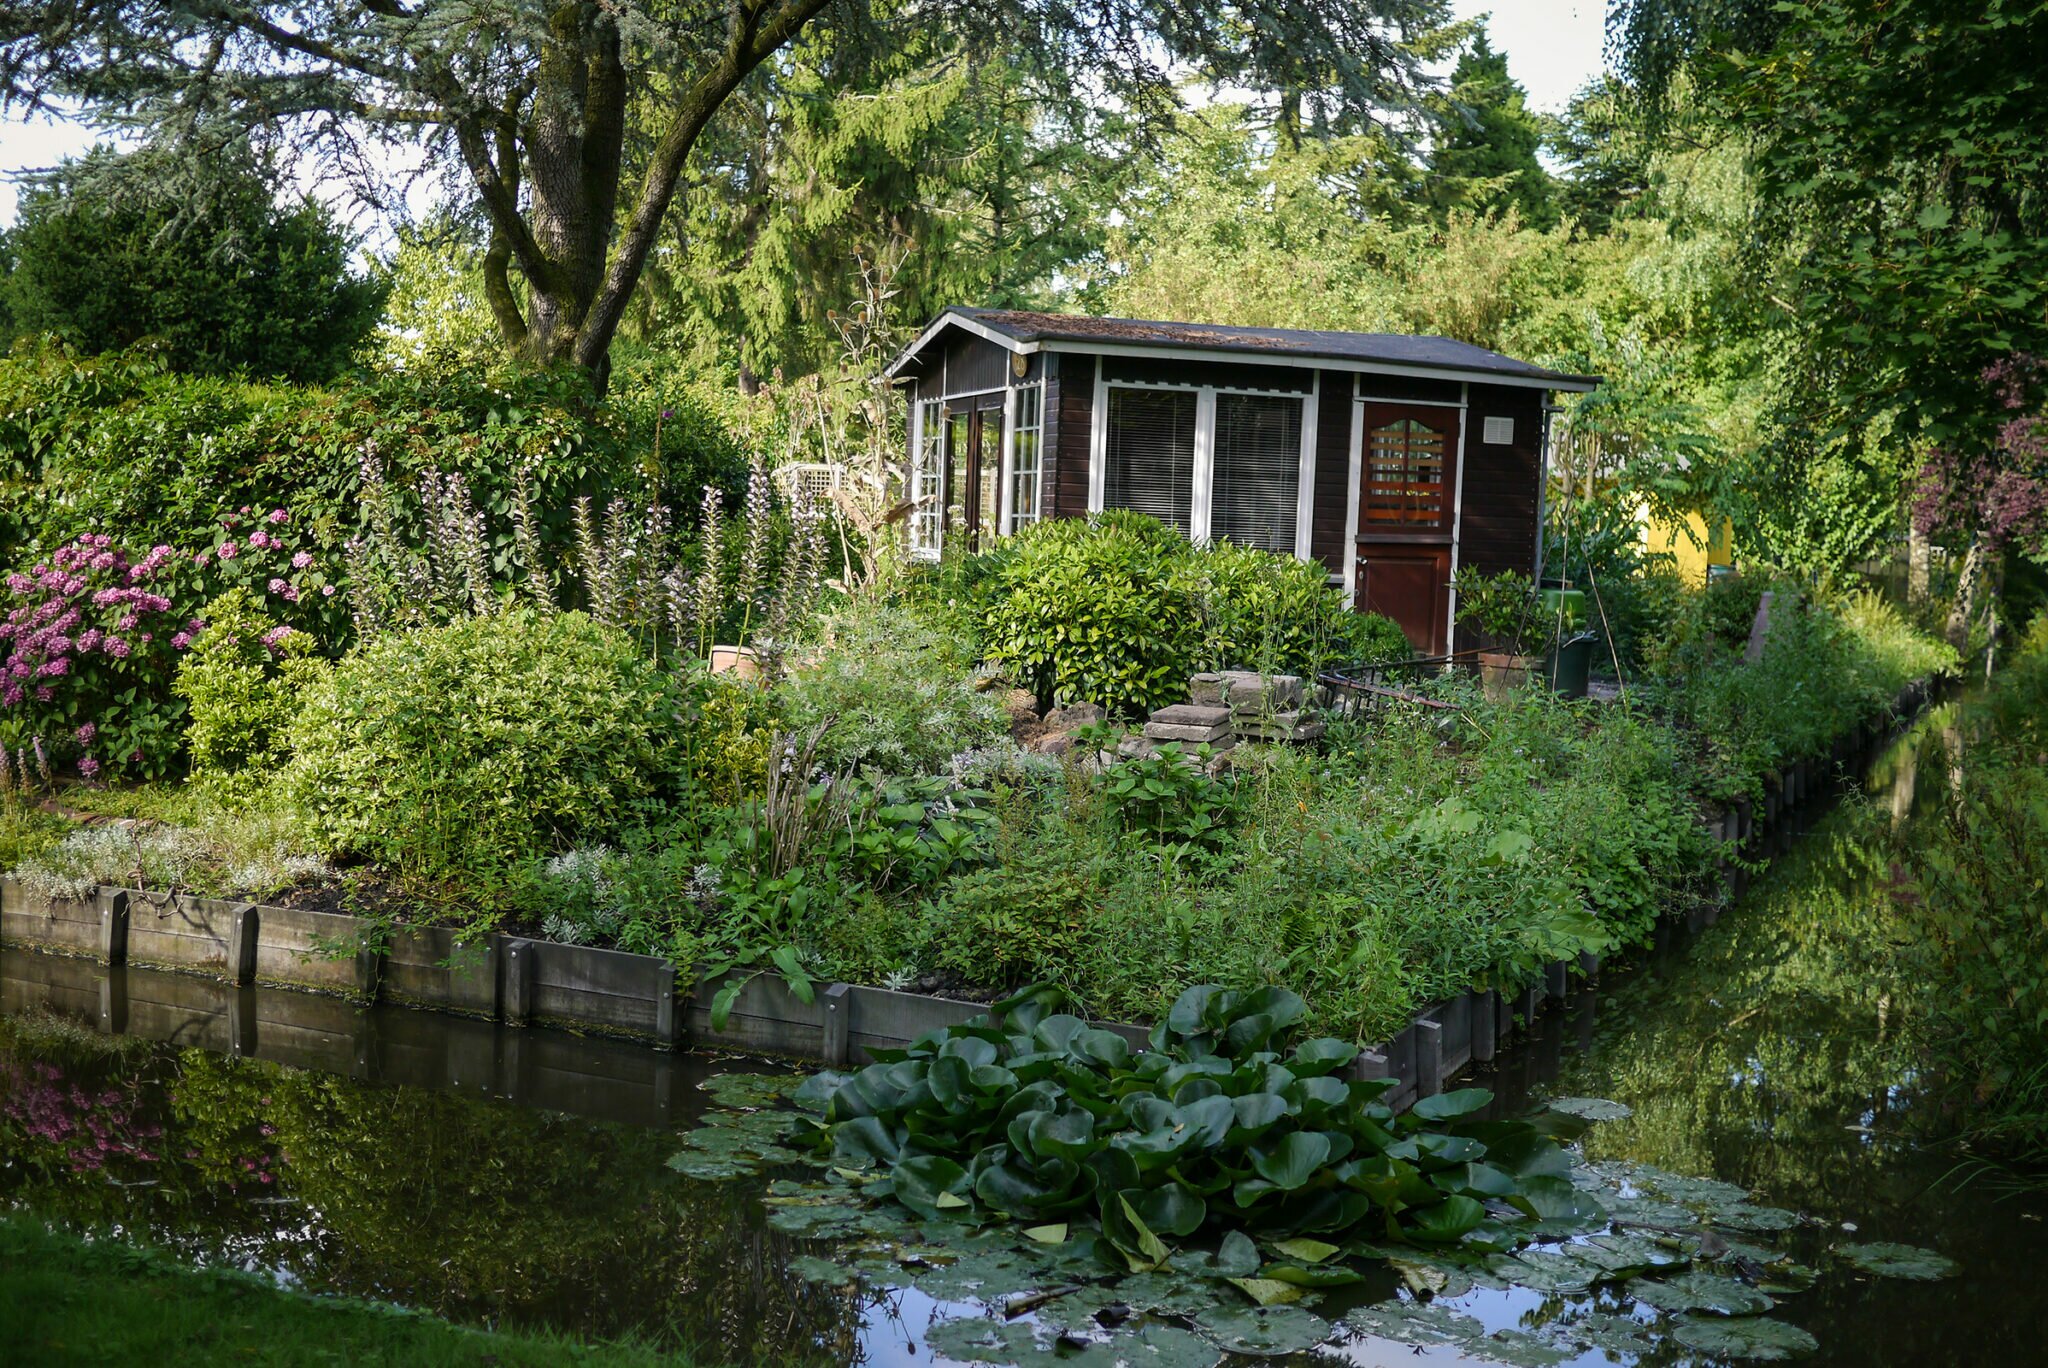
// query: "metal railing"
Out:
[1361,690]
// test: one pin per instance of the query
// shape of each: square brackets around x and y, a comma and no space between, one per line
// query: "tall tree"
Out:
[211,267]
[1485,160]
[539,99]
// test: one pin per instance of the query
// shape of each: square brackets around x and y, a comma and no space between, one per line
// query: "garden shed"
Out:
[1393,460]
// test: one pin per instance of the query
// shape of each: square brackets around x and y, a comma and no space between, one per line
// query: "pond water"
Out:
[499,1176]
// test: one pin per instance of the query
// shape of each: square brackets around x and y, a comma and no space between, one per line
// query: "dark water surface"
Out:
[515,1177]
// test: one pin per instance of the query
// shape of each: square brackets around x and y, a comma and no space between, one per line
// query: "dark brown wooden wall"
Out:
[1500,498]
[963,364]
[1070,413]
[1333,471]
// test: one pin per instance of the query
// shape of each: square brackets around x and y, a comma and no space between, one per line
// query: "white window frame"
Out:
[1007,497]
[1204,473]
[926,462]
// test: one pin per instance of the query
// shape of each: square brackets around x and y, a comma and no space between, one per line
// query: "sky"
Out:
[1553,48]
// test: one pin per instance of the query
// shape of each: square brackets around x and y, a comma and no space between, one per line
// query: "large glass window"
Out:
[927,516]
[1025,431]
[1404,475]
[1149,454]
[1257,477]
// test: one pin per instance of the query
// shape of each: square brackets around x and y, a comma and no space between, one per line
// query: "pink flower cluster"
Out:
[47,633]
[89,1128]
[1995,490]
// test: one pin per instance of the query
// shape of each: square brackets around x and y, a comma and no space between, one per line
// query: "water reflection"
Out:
[494,1174]
[435,1198]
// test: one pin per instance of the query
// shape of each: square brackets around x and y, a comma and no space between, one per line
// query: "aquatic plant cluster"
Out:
[1236,1188]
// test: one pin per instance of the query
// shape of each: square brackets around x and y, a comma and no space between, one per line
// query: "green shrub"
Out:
[1279,614]
[1119,610]
[1026,922]
[455,751]
[899,694]
[242,682]
[1101,609]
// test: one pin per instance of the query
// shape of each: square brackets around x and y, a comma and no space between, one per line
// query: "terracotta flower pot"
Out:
[736,660]
[1501,674]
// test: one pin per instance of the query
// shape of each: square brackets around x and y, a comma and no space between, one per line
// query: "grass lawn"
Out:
[66,1301]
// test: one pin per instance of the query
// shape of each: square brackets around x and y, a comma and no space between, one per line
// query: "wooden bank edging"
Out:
[524,981]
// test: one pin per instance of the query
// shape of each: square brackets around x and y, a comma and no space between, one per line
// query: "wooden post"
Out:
[1429,1057]
[243,928]
[369,973]
[1556,982]
[242,1021]
[114,1000]
[835,1048]
[1485,1025]
[668,1014]
[516,999]
[113,925]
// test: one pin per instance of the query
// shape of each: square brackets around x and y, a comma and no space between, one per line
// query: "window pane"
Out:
[1151,454]
[1404,475]
[1252,494]
[1024,449]
[924,482]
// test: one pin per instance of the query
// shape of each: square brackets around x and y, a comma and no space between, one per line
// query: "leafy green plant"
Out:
[1170,798]
[900,692]
[1503,607]
[454,752]
[1227,1123]
[242,682]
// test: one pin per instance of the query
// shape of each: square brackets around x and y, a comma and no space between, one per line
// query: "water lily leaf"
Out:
[1543,1271]
[1316,1057]
[1421,1278]
[1451,1105]
[865,1140]
[1898,1261]
[1071,1135]
[707,1167]
[1172,1211]
[1680,1188]
[1125,1229]
[1171,1294]
[1255,1114]
[1591,1108]
[813,1269]
[1262,1331]
[1047,1234]
[980,1340]
[1622,1256]
[1146,1346]
[1415,1323]
[1447,1220]
[1304,1250]
[1752,1337]
[930,1185]
[1519,1349]
[1700,1291]
[1321,1275]
[1743,1216]
[1236,1256]
[1267,1291]
[1297,1158]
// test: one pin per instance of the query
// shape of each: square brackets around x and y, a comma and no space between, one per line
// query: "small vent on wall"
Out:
[1500,432]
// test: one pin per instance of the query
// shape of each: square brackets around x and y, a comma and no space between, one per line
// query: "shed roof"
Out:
[1020,330]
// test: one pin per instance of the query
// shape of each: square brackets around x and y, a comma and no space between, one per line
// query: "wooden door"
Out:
[1407,512]
[1411,585]
[973,441]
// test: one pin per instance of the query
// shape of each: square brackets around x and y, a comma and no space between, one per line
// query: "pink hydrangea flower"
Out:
[301,559]
[326,591]
[181,641]
[88,766]
[277,586]
[86,733]
[227,550]
[278,515]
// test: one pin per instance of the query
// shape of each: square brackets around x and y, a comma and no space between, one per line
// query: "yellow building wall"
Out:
[1692,549]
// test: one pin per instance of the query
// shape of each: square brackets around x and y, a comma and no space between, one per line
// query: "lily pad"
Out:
[1592,1108]
[1144,1346]
[984,1341]
[1544,1271]
[709,1167]
[1899,1261]
[1267,1291]
[1518,1349]
[1751,1337]
[813,1269]
[1415,1323]
[1619,1337]
[752,1089]
[1263,1331]
[1743,1216]
[1697,1291]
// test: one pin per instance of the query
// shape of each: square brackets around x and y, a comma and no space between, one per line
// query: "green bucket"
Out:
[1566,665]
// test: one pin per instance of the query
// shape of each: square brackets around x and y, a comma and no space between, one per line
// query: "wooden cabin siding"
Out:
[1074,433]
[1498,528]
[1327,531]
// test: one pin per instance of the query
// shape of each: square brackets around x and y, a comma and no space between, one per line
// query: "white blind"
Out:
[1150,466]
[1257,478]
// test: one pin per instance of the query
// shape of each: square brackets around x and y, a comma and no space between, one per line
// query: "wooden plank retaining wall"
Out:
[518,980]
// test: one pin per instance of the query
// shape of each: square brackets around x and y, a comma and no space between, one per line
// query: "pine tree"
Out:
[1485,160]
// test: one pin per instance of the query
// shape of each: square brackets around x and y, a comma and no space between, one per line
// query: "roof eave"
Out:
[954,317]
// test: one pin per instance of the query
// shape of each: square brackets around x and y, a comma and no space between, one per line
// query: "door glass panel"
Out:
[1404,475]
[959,436]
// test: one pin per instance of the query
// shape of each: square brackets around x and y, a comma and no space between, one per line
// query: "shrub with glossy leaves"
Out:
[456,751]
[242,681]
